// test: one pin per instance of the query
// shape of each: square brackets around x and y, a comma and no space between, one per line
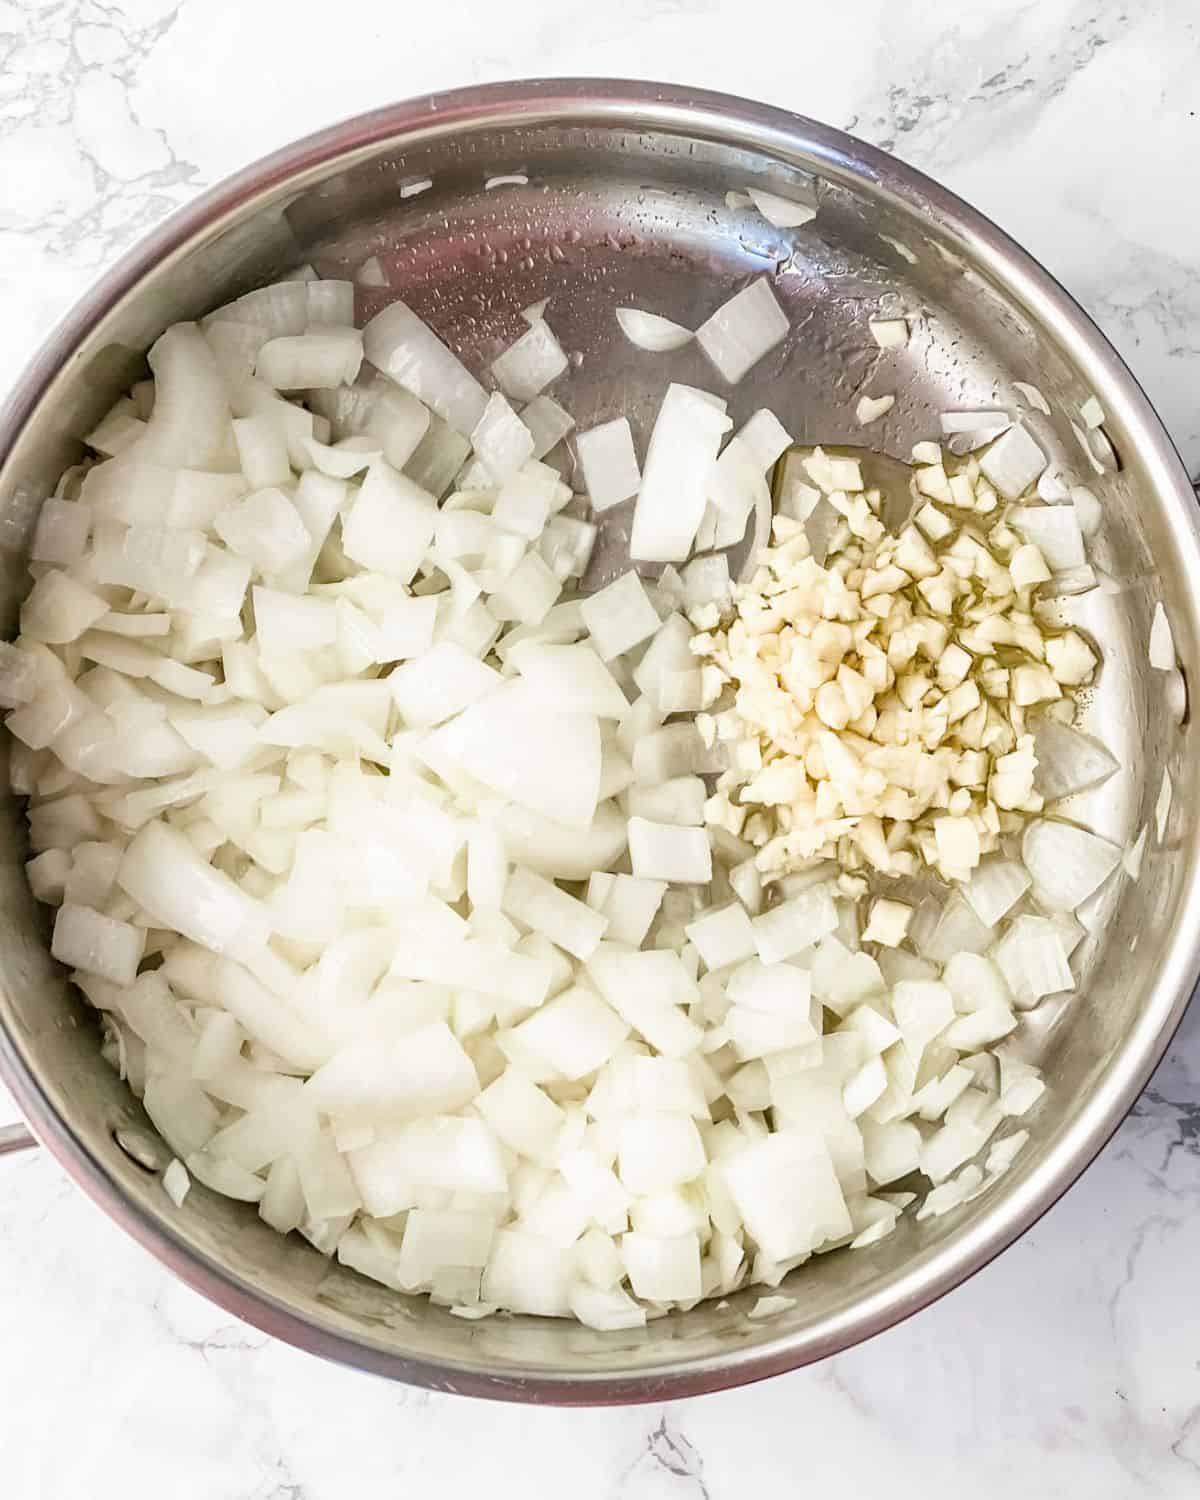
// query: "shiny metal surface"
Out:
[15,1138]
[625,204]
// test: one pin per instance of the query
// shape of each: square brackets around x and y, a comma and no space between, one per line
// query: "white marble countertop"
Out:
[1070,1367]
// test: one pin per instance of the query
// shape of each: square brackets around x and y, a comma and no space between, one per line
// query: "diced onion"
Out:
[870,408]
[679,461]
[397,342]
[474,926]
[1067,863]
[652,331]
[783,213]
[1033,396]
[1013,462]
[1067,760]
[743,329]
[609,463]
[529,365]
[1162,642]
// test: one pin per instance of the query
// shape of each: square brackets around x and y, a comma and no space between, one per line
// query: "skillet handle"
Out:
[15,1138]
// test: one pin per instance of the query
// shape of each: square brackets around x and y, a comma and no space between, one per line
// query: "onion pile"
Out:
[385,854]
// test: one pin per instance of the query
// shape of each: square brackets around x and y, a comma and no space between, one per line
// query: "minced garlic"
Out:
[872,706]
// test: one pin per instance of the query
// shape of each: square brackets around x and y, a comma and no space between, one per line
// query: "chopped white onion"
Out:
[609,463]
[544,760]
[529,365]
[501,440]
[311,360]
[1131,860]
[354,778]
[1162,642]
[869,409]
[783,213]
[889,333]
[1013,463]
[679,462]
[995,888]
[743,329]
[651,331]
[1033,960]
[176,1182]
[1054,530]
[547,422]
[1067,863]
[1033,396]
[397,342]
[1068,761]
[1162,806]
[371,273]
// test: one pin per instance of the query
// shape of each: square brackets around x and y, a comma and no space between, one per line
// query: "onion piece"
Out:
[958,930]
[1033,960]
[548,423]
[995,888]
[1054,530]
[1013,463]
[560,852]
[870,408]
[546,761]
[660,851]
[501,440]
[787,1193]
[397,342]
[420,1072]
[345,459]
[889,333]
[311,360]
[1067,863]
[389,524]
[167,878]
[743,330]
[571,678]
[1131,860]
[1162,806]
[903,250]
[651,331]
[1067,760]
[176,1182]
[566,921]
[739,475]
[440,684]
[529,365]
[61,533]
[679,462]
[98,944]
[783,213]
[609,463]
[191,424]
[1161,651]
[1088,510]
[1051,487]
[1033,396]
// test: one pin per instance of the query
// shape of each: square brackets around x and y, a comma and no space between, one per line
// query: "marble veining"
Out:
[1068,1368]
